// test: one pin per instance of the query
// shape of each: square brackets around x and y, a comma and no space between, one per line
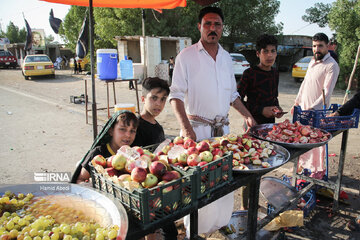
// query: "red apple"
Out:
[305,131]
[99,160]
[157,168]
[192,150]
[138,174]
[111,172]
[129,166]
[139,150]
[124,177]
[232,137]
[171,175]
[167,189]
[118,162]
[224,142]
[206,156]
[201,164]
[150,181]
[178,140]
[217,151]
[109,161]
[202,146]
[193,159]
[146,158]
[215,144]
[189,143]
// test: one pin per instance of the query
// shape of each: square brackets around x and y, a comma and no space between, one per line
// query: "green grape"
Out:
[37,238]
[16,219]
[56,229]
[74,238]
[27,238]
[26,229]
[10,225]
[67,237]
[6,214]
[13,201]
[22,222]
[14,233]
[85,237]
[21,196]
[7,193]
[28,217]
[33,232]
[99,237]
[55,236]
[46,233]
[45,238]
[112,234]
[41,232]
[65,228]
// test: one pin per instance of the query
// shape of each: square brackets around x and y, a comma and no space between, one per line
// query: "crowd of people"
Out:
[203,88]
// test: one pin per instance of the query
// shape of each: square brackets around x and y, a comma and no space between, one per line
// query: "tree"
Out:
[240,25]
[49,39]
[14,34]
[344,18]
[318,14]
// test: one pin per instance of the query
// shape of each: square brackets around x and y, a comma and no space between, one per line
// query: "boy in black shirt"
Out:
[260,83]
[154,94]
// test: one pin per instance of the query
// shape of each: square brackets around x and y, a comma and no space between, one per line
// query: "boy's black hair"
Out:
[264,40]
[155,82]
[321,37]
[128,118]
[207,10]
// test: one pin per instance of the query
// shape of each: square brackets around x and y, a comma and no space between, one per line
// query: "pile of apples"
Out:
[288,132]
[136,168]
[246,150]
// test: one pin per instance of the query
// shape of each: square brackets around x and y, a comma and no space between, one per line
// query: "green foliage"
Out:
[244,20]
[70,27]
[14,34]
[49,39]
[344,18]
[318,14]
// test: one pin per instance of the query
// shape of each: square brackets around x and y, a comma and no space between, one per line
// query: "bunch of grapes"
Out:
[35,221]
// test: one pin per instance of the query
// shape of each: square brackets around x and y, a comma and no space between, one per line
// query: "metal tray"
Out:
[282,156]
[258,131]
[109,206]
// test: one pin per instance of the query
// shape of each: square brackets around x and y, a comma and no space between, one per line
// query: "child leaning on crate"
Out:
[119,130]
[154,94]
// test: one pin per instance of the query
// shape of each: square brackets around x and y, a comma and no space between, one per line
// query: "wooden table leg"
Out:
[86,102]
[107,98]
[137,96]
[114,93]
[340,169]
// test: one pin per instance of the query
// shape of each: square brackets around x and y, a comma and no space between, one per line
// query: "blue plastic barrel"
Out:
[126,69]
[106,60]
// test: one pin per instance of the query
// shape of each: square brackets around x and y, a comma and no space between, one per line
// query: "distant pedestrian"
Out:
[131,84]
[171,69]
[80,69]
[75,67]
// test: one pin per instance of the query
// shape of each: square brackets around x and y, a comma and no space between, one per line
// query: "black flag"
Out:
[83,40]
[28,44]
[54,22]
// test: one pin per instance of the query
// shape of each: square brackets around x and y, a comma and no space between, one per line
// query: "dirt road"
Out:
[42,131]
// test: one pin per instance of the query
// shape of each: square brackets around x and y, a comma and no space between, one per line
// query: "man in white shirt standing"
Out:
[321,74]
[202,90]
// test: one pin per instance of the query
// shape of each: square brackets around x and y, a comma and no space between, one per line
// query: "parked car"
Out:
[38,65]
[239,64]
[83,63]
[300,67]
[7,59]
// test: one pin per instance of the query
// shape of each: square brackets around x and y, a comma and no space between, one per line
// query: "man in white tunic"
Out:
[202,90]
[322,73]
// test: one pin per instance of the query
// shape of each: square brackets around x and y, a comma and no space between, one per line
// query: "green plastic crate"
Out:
[211,176]
[149,206]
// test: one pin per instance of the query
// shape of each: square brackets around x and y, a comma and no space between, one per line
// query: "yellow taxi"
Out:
[37,65]
[83,62]
[300,67]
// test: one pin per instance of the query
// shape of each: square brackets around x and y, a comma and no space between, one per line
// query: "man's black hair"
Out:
[155,82]
[207,10]
[321,37]
[264,40]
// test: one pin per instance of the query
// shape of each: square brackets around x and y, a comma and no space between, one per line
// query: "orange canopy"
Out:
[160,4]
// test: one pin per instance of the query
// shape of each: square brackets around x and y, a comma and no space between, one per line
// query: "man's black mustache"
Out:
[212,34]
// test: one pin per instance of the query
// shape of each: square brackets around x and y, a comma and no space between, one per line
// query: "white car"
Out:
[239,64]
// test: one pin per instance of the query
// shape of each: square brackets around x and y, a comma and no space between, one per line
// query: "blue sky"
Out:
[37,14]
